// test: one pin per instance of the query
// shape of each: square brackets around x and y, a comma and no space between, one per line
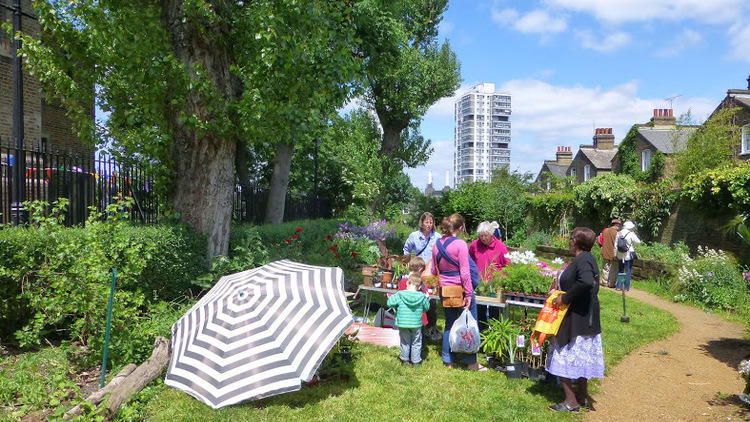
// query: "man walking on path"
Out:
[609,261]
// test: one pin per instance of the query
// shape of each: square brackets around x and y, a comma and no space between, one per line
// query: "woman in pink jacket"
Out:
[489,254]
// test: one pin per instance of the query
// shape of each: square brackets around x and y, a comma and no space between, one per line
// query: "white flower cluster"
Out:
[713,254]
[558,261]
[527,257]
[744,368]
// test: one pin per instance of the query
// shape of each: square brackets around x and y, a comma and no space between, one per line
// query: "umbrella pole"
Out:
[109,326]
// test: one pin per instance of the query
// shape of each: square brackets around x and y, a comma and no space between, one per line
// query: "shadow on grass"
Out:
[309,395]
[728,350]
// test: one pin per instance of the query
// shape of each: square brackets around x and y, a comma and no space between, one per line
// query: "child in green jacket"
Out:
[410,304]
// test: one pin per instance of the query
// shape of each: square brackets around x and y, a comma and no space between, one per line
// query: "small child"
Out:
[410,304]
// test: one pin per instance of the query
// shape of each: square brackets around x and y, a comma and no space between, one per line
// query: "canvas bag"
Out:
[464,335]
[384,319]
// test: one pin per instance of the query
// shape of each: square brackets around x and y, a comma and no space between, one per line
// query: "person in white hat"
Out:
[626,257]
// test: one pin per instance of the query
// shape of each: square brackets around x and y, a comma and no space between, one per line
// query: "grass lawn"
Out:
[383,389]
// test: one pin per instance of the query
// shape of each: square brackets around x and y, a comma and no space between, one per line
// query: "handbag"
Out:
[452,296]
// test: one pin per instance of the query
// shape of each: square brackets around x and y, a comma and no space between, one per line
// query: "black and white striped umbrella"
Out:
[258,333]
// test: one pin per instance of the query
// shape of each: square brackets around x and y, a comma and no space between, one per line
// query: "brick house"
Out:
[45,122]
[661,134]
[557,167]
[740,98]
[596,159]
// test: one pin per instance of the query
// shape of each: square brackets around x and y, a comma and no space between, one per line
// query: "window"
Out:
[586,172]
[573,171]
[645,159]
[746,139]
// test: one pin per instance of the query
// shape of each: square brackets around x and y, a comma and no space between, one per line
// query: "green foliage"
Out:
[606,196]
[652,205]
[66,276]
[552,211]
[524,278]
[629,162]
[713,280]
[32,381]
[727,187]
[711,146]
[502,200]
[676,254]
[495,337]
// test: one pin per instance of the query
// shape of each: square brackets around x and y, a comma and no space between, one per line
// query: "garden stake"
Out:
[109,325]
[624,317]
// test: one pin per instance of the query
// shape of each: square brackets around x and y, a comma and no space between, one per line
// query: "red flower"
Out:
[333,248]
[328,238]
[299,229]
[336,254]
[294,236]
[354,254]
[287,241]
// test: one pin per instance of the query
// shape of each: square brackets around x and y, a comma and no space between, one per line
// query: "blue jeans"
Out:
[485,313]
[625,267]
[411,344]
[451,315]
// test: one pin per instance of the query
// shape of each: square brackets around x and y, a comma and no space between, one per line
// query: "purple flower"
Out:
[710,274]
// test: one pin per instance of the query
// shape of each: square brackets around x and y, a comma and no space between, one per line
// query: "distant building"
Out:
[482,133]
[45,122]
[740,98]
[554,168]
[430,190]
[660,134]
[596,159]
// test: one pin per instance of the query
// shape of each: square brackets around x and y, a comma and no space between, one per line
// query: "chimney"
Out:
[564,156]
[664,118]
[748,82]
[429,177]
[603,138]
[447,179]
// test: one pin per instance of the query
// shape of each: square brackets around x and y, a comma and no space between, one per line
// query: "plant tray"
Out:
[525,297]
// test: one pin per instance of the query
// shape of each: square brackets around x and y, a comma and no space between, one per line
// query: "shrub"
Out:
[675,254]
[713,280]
[606,196]
[66,275]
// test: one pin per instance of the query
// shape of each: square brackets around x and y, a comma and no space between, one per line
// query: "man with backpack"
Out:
[609,260]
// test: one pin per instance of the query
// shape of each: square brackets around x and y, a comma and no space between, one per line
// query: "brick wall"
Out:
[41,119]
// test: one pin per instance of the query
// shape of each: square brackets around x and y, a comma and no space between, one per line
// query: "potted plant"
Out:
[494,341]
[367,274]
[432,282]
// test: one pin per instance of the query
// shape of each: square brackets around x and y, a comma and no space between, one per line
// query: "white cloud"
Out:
[535,22]
[446,27]
[546,116]
[739,41]
[619,11]
[606,44]
[685,40]
[443,108]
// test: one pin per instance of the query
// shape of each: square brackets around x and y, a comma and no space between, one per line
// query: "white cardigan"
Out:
[631,239]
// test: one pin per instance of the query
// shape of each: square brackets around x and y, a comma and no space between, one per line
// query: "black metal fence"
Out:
[85,179]
[250,205]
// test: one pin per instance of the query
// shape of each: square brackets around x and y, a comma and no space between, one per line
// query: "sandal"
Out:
[564,407]
[479,368]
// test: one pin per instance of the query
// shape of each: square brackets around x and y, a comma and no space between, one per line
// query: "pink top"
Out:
[486,256]
[460,253]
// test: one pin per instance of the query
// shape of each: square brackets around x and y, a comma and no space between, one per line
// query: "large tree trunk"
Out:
[391,138]
[204,162]
[282,161]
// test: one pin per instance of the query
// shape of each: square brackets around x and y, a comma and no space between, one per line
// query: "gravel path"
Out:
[690,376]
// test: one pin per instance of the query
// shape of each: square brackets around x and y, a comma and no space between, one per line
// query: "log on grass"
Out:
[96,397]
[141,376]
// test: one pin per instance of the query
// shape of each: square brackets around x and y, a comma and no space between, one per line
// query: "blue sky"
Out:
[572,65]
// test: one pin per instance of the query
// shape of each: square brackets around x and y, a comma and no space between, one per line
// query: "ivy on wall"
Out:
[626,153]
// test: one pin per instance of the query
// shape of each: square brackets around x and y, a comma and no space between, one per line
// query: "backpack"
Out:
[622,244]
[473,269]
[600,239]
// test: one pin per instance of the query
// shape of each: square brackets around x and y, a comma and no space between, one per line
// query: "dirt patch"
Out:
[690,376]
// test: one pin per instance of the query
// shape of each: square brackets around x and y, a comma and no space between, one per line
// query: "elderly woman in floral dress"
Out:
[575,353]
